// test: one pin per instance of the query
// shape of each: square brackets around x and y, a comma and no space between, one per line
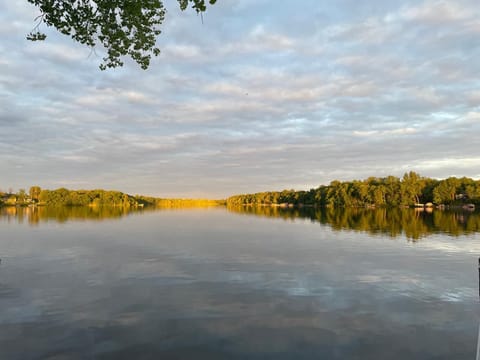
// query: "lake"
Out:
[239,283]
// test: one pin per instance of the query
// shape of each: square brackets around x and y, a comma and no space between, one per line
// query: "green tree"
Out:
[392,190]
[123,28]
[21,196]
[473,191]
[445,192]
[427,192]
[379,195]
[360,193]
[411,188]
[339,194]
[35,193]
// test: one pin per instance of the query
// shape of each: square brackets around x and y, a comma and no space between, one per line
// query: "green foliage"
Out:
[21,196]
[445,191]
[34,193]
[65,197]
[37,36]
[102,198]
[411,187]
[123,28]
[198,5]
[390,191]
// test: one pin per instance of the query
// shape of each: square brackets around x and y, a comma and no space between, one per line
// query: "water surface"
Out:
[238,284]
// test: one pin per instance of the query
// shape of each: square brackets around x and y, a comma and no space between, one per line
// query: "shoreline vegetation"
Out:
[412,190]
[95,198]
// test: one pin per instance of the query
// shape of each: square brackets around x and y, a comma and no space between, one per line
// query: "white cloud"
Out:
[56,52]
[474,97]
[450,163]
[437,12]
[428,95]
[393,132]
[177,51]
[95,97]
[473,117]
[365,133]
[230,104]
[269,40]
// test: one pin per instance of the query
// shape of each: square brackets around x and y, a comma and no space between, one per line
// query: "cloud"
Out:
[437,13]
[376,133]
[57,53]
[255,98]
[96,97]
[179,52]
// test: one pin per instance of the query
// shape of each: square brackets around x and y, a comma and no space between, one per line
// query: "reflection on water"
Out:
[394,222]
[209,284]
[33,215]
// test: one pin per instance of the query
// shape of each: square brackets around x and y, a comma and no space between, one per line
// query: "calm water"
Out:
[238,284]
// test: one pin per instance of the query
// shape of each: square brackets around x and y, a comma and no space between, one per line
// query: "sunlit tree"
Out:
[34,193]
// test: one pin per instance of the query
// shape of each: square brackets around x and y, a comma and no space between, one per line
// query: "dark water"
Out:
[238,284]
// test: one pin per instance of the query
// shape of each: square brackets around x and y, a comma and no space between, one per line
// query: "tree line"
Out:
[99,197]
[410,190]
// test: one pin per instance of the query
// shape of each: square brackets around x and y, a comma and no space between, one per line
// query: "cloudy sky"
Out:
[264,95]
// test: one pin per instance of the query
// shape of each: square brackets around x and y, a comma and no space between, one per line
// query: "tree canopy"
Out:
[412,189]
[122,27]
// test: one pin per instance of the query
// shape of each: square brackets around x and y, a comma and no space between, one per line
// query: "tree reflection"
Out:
[395,222]
[410,223]
[35,215]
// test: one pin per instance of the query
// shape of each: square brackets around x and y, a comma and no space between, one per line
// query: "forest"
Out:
[95,198]
[409,191]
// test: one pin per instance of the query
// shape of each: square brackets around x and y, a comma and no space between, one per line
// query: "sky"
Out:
[261,95]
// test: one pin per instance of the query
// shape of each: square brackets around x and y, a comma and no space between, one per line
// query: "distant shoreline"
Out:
[410,191]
